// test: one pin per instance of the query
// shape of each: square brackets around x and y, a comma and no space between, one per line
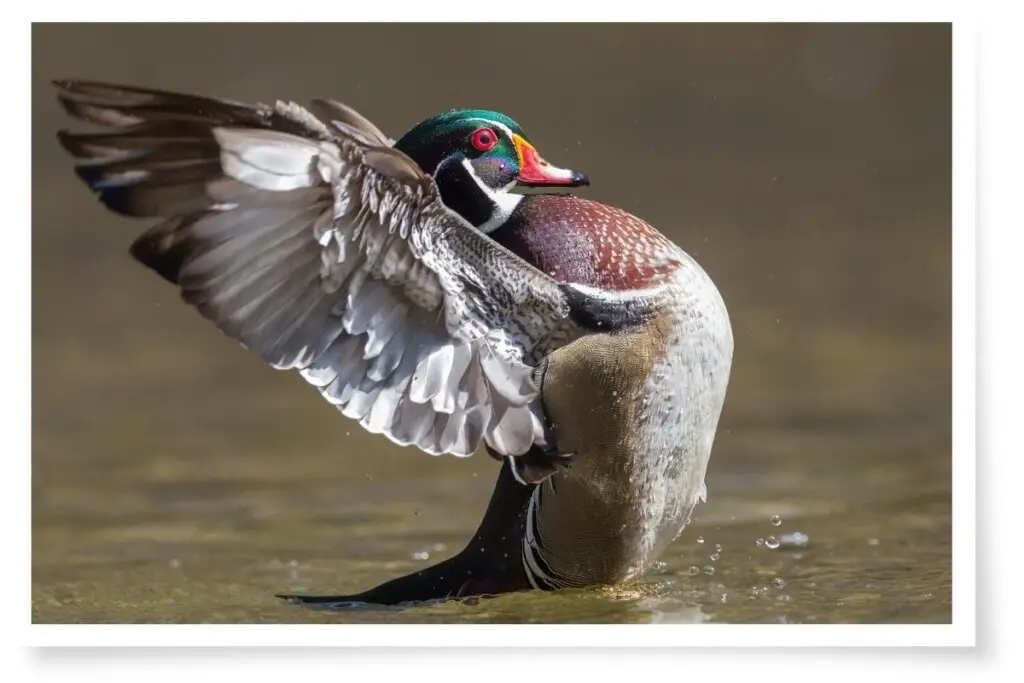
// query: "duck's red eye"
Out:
[484,139]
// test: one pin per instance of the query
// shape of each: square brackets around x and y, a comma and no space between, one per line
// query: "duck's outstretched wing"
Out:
[316,244]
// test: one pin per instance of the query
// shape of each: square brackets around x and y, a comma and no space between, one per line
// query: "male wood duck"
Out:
[420,295]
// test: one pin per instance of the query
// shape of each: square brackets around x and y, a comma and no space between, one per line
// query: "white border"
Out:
[476,11]
[962,632]
[540,636]
[964,329]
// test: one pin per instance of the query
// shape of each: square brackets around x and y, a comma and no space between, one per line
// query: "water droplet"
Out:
[658,567]
[778,582]
[293,563]
[771,543]
[776,520]
[175,563]
[873,541]
[714,557]
[693,571]
[796,539]
[615,393]
[760,542]
[784,598]
[421,555]
[438,547]
[348,433]
[718,547]
[709,570]
[369,478]
[700,539]
[724,596]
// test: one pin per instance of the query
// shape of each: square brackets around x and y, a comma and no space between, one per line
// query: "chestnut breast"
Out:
[581,241]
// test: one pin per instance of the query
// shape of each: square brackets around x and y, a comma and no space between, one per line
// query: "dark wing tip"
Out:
[163,249]
[74,86]
[110,92]
[67,140]
[71,88]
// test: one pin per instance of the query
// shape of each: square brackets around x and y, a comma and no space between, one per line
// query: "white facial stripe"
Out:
[504,203]
[505,129]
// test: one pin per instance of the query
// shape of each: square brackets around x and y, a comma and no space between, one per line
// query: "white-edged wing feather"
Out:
[318,246]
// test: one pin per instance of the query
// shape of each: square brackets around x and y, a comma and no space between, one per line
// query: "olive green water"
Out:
[178,479]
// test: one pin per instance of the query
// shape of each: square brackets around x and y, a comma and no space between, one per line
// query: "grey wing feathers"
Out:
[324,250]
[350,122]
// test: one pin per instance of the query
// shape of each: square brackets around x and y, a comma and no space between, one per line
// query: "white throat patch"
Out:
[504,202]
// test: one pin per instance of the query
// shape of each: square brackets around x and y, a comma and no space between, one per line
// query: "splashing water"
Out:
[796,539]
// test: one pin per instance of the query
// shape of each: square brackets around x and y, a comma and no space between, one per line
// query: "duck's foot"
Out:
[534,466]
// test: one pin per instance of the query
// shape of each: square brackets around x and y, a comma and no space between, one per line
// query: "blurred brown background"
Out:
[807,167]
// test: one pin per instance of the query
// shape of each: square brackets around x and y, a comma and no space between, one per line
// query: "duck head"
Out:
[477,157]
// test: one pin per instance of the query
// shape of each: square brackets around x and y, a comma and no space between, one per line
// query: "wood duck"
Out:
[419,294]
